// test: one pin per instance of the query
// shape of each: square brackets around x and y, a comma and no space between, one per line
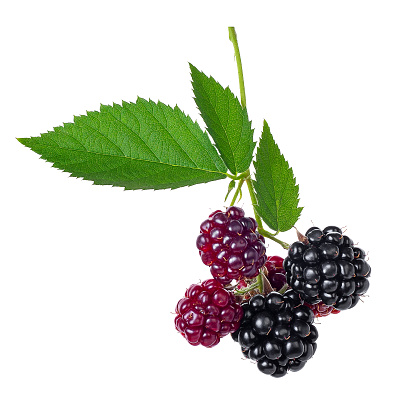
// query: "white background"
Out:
[90,275]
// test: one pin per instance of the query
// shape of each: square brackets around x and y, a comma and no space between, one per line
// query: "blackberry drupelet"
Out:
[231,246]
[207,313]
[277,332]
[327,268]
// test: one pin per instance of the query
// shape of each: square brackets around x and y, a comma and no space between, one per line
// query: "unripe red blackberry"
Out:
[231,246]
[320,309]
[327,268]
[207,313]
[276,272]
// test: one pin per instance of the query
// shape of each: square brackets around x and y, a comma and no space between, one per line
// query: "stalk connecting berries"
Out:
[231,246]
[207,313]
[327,268]
[277,332]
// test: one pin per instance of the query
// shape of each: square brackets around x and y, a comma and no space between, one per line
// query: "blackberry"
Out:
[207,313]
[276,273]
[327,268]
[231,246]
[277,332]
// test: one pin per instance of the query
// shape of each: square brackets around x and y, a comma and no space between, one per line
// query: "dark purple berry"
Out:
[314,235]
[296,250]
[332,229]
[361,285]
[262,322]
[293,348]
[272,349]
[343,303]
[311,256]
[346,253]
[247,337]
[277,332]
[359,253]
[266,366]
[334,238]
[328,251]
[362,268]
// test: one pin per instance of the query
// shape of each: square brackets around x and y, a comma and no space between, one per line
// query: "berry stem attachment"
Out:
[266,234]
[253,198]
[283,289]
[246,289]
[240,176]
[267,287]
[233,38]
[237,192]
[260,282]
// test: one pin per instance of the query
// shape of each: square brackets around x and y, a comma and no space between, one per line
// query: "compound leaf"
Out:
[141,145]
[275,185]
[227,121]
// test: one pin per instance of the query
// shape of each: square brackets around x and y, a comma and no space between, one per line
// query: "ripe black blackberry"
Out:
[327,267]
[277,332]
[231,246]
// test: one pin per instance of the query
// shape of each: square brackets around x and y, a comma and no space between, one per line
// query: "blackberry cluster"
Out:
[328,268]
[277,332]
[207,313]
[231,246]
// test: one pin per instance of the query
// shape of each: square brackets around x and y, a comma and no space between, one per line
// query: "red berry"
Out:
[320,309]
[274,262]
[207,313]
[276,272]
[231,246]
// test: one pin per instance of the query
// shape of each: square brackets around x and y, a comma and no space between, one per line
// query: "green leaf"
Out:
[275,185]
[140,145]
[227,121]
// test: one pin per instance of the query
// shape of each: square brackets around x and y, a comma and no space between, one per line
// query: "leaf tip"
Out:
[266,126]
[22,140]
[194,70]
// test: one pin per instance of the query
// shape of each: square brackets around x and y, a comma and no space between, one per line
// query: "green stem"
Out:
[266,234]
[238,177]
[240,184]
[245,177]
[246,289]
[253,198]
[233,39]
[283,289]
[260,282]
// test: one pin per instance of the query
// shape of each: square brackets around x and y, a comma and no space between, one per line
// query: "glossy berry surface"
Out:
[277,332]
[207,313]
[276,273]
[327,269]
[231,246]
